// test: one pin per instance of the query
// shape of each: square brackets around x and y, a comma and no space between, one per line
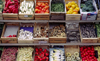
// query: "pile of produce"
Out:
[26,7]
[42,7]
[88,53]
[9,54]
[87,6]
[25,54]
[57,31]
[87,30]
[98,29]
[97,49]
[73,34]
[72,8]
[41,30]
[57,7]
[26,34]
[57,54]
[41,55]
[1,49]
[1,5]
[11,6]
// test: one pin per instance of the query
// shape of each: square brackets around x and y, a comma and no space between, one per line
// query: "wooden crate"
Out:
[57,15]
[26,16]
[88,40]
[57,39]
[72,16]
[9,39]
[26,41]
[44,16]
[10,16]
[40,39]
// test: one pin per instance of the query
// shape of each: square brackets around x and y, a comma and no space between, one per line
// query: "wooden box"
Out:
[72,50]
[57,15]
[88,40]
[9,39]
[42,16]
[25,25]
[42,39]
[72,16]
[56,39]
[10,16]
[26,16]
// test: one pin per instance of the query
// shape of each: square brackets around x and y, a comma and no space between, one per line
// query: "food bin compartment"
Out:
[10,33]
[57,33]
[26,33]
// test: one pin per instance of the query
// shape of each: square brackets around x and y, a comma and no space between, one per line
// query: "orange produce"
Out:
[42,7]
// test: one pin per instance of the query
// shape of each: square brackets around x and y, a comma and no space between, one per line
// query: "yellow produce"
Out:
[72,8]
[74,13]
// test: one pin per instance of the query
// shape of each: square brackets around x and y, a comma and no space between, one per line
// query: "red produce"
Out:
[87,53]
[41,55]
[9,54]
[11,6]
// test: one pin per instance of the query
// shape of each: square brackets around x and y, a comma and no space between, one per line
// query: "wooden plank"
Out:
[73,16]
[10,16]
[42,17]
[57,40]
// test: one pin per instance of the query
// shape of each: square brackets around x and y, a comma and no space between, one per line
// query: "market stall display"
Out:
[41,53]
[57,54]
[57,33]
[72,10]
[9,54]
[26,10]
[87,33]
[25,54]
[10,32]
[41,32]
[88,53]
[42,10]
[88,9]
[26,33]
[57,10]
[72,53]
[73,34]
[10,11]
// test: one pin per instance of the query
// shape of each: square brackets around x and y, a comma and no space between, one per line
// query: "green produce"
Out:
[98,29]
[87,6]
[57,7]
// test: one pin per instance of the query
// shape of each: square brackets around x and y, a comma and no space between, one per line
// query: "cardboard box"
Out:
[89,15]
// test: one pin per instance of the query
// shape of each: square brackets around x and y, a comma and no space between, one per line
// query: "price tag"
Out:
[42,42]
[25,15]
